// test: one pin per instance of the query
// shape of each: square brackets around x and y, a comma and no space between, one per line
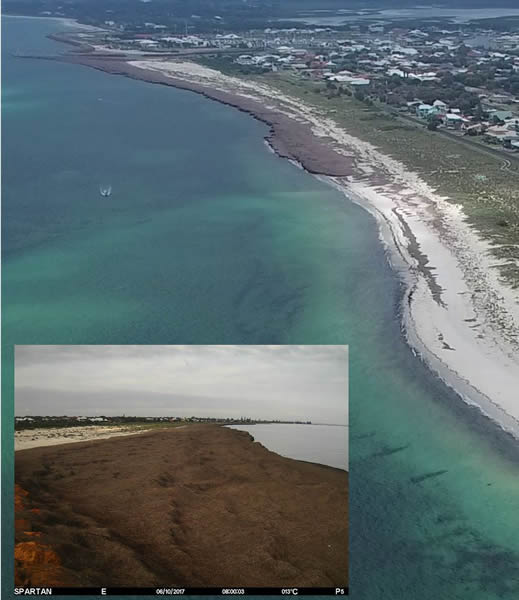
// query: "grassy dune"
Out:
[487,186]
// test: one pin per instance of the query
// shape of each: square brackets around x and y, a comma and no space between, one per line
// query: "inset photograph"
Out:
[181,466]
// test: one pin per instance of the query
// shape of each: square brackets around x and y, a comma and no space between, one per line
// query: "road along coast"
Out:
[197,506]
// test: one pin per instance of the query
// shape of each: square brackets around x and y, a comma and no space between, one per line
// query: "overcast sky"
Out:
[278,382]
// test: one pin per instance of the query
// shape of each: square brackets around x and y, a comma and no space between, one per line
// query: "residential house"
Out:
[499,115]
[453,121]
[423,110]
[439,107]
[496,134]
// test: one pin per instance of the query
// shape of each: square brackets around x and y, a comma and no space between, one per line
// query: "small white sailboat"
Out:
[105,191]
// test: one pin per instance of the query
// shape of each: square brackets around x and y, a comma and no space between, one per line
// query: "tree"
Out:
[359,95]
[394,81]
[395,100]
[433,123]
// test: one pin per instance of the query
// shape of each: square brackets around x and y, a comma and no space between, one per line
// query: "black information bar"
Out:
[174,591]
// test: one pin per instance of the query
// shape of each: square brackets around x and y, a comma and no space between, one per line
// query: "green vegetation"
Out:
[225,63]
[485,184]
[397,91]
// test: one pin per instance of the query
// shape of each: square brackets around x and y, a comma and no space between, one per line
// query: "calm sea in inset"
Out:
[325,444]
[210,238]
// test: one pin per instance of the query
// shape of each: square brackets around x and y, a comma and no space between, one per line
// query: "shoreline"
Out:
[312,449]
[297,143]
[457,314]
[28,439]
[155,511]
[420,333]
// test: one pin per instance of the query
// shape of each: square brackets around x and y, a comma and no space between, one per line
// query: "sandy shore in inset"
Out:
[34,438]
[199,506]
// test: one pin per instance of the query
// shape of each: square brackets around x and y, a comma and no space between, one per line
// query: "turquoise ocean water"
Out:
[210,238]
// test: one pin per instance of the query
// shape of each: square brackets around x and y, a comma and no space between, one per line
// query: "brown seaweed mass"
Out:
[197,506]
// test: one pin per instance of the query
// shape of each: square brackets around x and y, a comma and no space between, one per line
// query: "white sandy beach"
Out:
[458,314]
[33,438]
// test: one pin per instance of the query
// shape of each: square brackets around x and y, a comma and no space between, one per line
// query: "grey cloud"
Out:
[285,382]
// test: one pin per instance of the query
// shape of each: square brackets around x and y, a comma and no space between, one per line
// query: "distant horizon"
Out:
[301,421]
[269,383]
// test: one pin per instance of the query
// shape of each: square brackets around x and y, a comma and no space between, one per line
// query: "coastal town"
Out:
[37,422]
[461,79]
